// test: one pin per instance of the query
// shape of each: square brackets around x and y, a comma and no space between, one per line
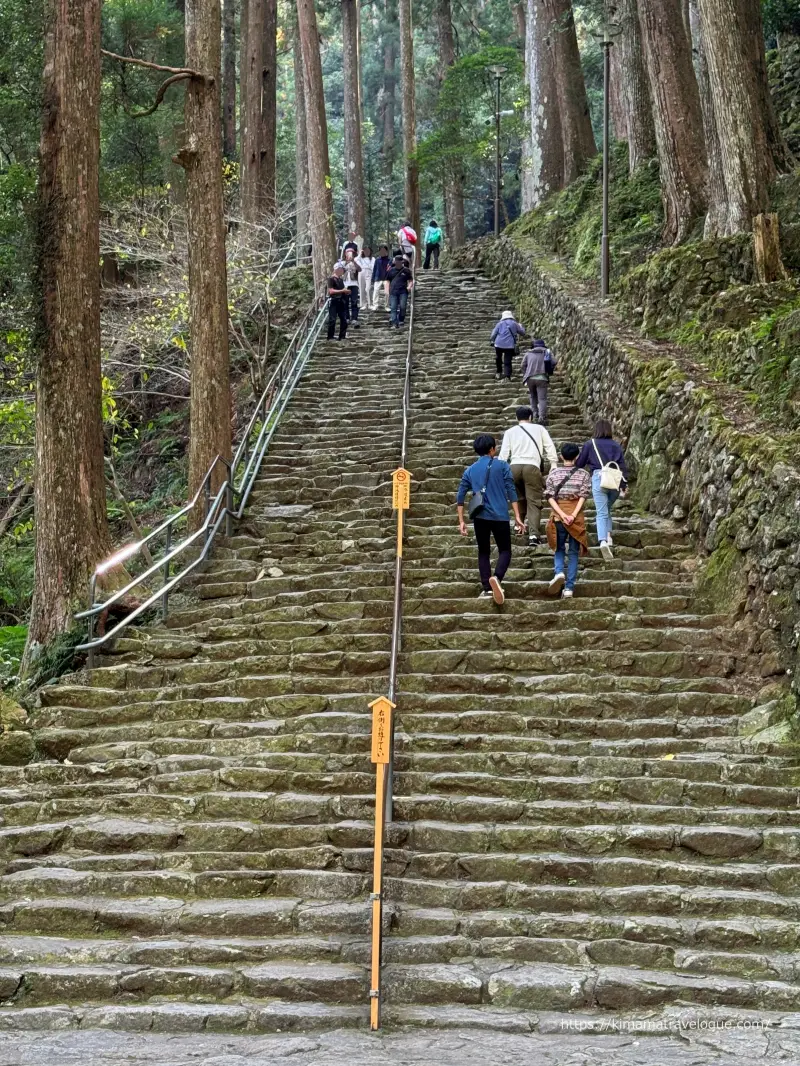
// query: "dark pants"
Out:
[503,357]
[431,250]
[537,390]
[398,301]
[485,529]
[337,308]
[354,303]
[529,484]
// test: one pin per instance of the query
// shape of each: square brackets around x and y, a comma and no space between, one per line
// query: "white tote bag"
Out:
[610,473]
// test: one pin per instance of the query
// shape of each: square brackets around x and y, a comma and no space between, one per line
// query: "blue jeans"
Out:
[572,558]
[604,500]
[398,301]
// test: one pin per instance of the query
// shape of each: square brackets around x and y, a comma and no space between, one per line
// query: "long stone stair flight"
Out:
[577,826]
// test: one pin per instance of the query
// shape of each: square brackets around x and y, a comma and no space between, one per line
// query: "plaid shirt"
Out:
[579,487]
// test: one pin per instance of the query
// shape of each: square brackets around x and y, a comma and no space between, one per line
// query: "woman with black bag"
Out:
[492,486]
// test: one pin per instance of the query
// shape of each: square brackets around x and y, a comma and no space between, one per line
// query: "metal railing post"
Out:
[229,507]
[165,597]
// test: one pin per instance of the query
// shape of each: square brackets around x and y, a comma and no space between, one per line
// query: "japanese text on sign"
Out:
[401,489]
[381,729]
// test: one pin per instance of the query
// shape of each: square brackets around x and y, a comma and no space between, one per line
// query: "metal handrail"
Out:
[241,474]
[385,773]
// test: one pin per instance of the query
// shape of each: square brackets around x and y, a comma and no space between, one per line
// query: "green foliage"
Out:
[16,575]
[12,645]
[569,223]
[781,16]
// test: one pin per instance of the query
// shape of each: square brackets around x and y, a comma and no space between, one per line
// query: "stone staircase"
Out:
[577,826]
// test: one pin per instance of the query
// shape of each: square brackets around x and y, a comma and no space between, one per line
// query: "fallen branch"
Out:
[187,72]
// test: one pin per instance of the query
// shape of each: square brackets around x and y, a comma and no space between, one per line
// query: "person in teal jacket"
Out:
[433,245]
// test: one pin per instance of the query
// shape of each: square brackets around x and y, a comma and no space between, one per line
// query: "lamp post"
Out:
[610,30]
[497,72]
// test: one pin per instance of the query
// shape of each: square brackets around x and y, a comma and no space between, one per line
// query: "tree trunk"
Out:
[323,241]
[767,249]
[354,157]
[733,36]
[716,219]
[300,150]
[389,83]
[229,79]
[70,496]
[641,134]
[619,110]
[677,117]
[258,107]
[526,163]
[547,150]
[411,184]
[210,400]
[454,181]
[573,103]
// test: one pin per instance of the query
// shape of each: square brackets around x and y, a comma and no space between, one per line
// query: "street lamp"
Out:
[497,72]
[605,38]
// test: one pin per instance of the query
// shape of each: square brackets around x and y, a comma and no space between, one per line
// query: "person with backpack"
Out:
[407,238]
[504,338]
[567,490]
[538,365]
[604,460]
[530,452]
[492,486]
[433,245]
[401,281]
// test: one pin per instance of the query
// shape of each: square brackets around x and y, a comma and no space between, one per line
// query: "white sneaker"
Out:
[497,591]
[567,594]
[610,541]
[556,584]
[606,552]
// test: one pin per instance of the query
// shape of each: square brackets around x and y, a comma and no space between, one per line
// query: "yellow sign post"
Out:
[401,501]
[381,741]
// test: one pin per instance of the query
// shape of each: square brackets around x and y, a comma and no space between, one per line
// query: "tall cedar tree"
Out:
[518,10]
[639,132]
[409,98]
[229,79]
[323,241]
[201,157]
[389,85]
[547,146]
[676,115]
[716,218]
[573,103]
[454,182]
[353,152]
[71,529]
[300,149]
[733,36]
[258,105]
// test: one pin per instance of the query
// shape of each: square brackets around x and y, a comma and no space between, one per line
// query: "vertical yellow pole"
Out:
[377,899]
[400,514]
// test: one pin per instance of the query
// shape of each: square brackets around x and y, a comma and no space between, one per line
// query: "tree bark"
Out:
[70,495]
[323,241]
[454,180]
[519,12]
[619,110]
[354,156]
[409,97]
[677,117]
[300,149]
[767,249]
[716,218]
[210,399]
[547,149]
[389,85]
[258,107]
[573,103]
[229,79]
[733,35]
[641,134]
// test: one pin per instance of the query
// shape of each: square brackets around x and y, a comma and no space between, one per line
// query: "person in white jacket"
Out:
[527,447]
[366,261]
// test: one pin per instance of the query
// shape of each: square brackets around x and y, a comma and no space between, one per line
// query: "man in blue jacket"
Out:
[490,477]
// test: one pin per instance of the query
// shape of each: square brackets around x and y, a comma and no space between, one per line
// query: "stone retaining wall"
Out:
[736,489]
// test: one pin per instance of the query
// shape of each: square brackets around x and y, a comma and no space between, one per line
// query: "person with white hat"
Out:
[504,338]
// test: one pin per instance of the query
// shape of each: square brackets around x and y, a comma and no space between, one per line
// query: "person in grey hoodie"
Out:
[537,366]
[504,338]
